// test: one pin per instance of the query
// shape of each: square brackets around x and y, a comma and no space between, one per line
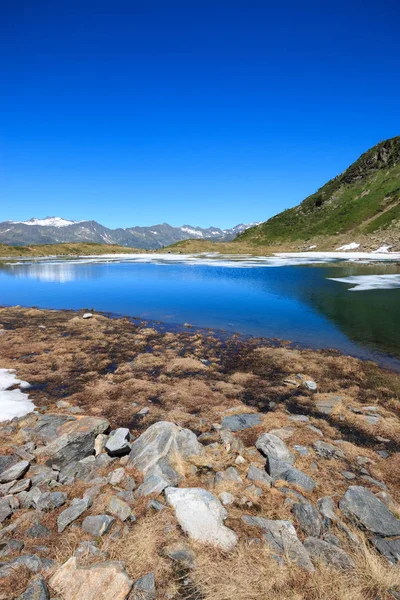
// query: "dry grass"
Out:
[251,573]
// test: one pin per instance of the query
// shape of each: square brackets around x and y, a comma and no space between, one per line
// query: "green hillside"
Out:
[363,199]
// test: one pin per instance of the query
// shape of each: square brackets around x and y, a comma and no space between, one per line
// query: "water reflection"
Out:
[60,272]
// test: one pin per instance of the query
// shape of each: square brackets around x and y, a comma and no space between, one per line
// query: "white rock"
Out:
[201,516]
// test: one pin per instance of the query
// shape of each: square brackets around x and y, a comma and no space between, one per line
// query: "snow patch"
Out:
[383,250]
[352,246]
[191,231]
[13,403]
[370,282]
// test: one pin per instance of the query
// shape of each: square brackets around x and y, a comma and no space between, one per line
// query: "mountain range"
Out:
[56,230]
[362,201]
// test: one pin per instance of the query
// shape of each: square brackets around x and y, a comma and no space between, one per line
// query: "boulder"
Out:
[102,581]
[281,538]
[97,525]
[308,518]
[73,512]
[240,422]
[31,562]
[36,590]
[329,554]
[273,447]
[154,484]
[75,441]
[162,450]
[326,507]
[118,442]
[15,472]
[48,500]
[366,510]
[201,516]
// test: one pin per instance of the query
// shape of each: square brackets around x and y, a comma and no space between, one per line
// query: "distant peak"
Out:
[48,222]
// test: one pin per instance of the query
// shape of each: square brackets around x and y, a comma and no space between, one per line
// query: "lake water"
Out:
[275,299]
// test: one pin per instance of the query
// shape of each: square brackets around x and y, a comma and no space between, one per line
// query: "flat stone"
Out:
[73,512]
[283,433]
[327,402]
[32,562]
[38,531]
[155,484]
[97,525]
[329,554]
[367,511]
[15,472]
[87,315]
[201,516]
[98,582]
[181,553]
[299,418]
[36,590]
[144,588]
[118,508]
[302,450]
[273,447]
[241,421]
[308,518]
[326,507]
[5,509]
[281,537]
[310,385]
[388,547]
[256,474]
[118,442]
[326,450]
[348,475]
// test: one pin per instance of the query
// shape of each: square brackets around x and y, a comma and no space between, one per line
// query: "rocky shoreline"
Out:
[163,465]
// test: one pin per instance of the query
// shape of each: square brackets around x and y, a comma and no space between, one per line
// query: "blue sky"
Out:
[200,112]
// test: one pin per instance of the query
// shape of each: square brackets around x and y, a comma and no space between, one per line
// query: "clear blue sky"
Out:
[201,112]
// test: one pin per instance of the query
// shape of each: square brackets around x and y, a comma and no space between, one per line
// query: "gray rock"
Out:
[75,441]
[36,590]
[388,548]
[118,442]
[118,508]
[15,472]
[308,518]
[163,449]
[42,474]
[50,500]
[73,512]
[97,525]
[5,509]
[310,385]
[326,450]
[280,470]
[156,505]
[32,562]
[144,588]
[367,511]
[348,475]
[329,554]
[256,474]
[230,474]
[326,404]
[38,531]
[332,539]
[155,484]
[240,422]
[273,447]
[302,450]
[11,547]
[20,486]
[6,461]
[181,553]
[326,507]
[281,538]
[315,430]
[226,498]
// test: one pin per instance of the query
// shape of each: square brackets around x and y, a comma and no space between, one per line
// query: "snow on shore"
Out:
[370,282]
[13,403]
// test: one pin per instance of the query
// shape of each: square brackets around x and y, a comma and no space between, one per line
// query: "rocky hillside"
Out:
[180,466]
[55,230]
[363,201]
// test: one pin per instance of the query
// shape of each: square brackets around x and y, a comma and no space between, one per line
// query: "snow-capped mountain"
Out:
[57,230]
[47,222]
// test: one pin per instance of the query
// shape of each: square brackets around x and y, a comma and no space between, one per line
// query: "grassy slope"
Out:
[365,198]
[65,250]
